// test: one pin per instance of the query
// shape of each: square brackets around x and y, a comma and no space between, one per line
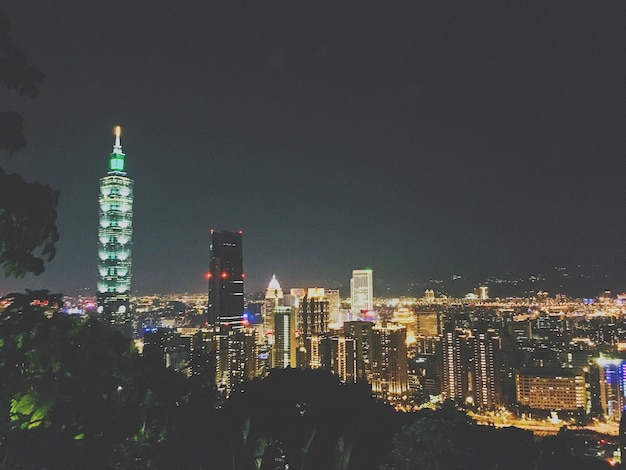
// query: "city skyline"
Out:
[423,140]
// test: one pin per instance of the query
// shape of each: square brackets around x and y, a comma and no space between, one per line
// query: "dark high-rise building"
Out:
[225,278]
[362,332]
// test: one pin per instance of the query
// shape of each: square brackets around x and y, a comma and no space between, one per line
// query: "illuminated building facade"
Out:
[471,363]
[115,231]
[362,291]
[552,389]
[225,278]
[237,355]
[484,365]
[483,293]
[454,378]
[389,363]
[312,323]
[362,332]
[273,298]
[283,352]
[612,387]
[427,323]
[334,306]
[343,357]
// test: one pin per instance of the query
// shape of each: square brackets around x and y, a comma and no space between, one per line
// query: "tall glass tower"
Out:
[115,236]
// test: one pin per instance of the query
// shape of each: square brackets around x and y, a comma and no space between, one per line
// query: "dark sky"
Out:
[420,139]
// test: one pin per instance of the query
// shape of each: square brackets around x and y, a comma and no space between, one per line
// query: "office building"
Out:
[225,276]
[612,387]
[115,231]
[551,388]
[362,291]
[361,331]
[484,367]
[334,307]
[389,364]
[312,315]
[273,298]
[471,364]
[283,352]
[427,323]
[454,377]
[343,357]
[237,355]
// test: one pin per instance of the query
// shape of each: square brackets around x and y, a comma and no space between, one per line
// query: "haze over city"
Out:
[421,140]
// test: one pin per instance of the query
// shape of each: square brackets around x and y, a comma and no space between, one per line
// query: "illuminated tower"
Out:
[362,291]
[225,279]
[115,236]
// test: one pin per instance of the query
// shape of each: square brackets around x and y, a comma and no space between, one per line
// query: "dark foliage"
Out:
[315,421]
[28,229]
[28,214]
[15,71]
[74,395]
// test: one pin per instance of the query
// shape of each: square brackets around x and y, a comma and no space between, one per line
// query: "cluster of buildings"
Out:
[304,328]
[543,356]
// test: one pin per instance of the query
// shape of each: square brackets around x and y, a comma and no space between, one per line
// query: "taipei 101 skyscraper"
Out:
[115,237]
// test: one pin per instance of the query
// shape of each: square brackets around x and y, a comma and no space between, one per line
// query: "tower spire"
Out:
[117,148]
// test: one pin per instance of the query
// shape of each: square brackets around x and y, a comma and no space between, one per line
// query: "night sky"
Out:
[421,139]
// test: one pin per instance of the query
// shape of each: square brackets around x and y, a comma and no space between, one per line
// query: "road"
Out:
[541,427]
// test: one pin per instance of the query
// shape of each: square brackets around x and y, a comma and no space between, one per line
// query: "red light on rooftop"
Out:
[243,276]
[208,275]
[240,232]
[224,275]
[212,230]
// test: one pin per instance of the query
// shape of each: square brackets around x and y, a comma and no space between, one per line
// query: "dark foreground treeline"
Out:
[74,395]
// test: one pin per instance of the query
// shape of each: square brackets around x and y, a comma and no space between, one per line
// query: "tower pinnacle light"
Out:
[117,131]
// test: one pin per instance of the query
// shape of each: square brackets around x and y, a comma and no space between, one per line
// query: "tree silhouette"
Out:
[308,420]
[28,214]
[73,393]
[432,441]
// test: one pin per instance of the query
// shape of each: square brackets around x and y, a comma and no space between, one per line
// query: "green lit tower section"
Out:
[115,232]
